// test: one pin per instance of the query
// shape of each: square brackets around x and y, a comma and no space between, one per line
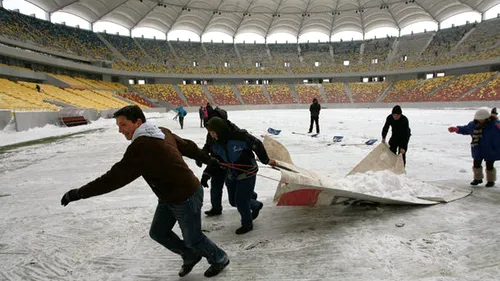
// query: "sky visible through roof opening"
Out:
[184,35]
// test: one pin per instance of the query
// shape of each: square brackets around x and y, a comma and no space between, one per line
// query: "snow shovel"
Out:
[273,131]
[336,139]
[368,142]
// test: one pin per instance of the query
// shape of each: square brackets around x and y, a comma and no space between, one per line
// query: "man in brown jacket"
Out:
[156,155]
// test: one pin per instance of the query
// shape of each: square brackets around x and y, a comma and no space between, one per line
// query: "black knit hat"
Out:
[494,111]
[397,110]
[218,125]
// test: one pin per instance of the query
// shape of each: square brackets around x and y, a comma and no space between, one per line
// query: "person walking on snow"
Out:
[205,116]
[156,155]
[314,109]
[485,144]
[401,132]
[200,112]
[236,148]
[181,113]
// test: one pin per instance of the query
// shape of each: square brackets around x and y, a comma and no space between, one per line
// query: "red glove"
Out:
[453,129]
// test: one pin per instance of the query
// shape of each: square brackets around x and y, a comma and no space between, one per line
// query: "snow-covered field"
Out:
[106,237]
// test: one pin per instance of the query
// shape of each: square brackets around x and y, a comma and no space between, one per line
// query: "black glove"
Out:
[199,163]
[69,196]
[204,180]
[214,162]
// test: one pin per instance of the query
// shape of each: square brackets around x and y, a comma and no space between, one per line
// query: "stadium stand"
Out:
[458,87]
[367,92]
[308,92]
[424,89]
[400,90]
[336,93]
[280,94]
[164,92]
[252,94]
[488,92]
[223,95]
[194,95]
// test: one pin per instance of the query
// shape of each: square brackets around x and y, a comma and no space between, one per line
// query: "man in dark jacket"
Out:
[400,132]
[236,150]
[201,113]
[156,155]
[210,111]
[314,109]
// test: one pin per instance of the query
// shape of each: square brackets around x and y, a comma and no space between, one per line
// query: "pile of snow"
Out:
[387,184]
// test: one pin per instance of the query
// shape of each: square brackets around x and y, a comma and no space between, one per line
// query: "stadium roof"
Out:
[265,17]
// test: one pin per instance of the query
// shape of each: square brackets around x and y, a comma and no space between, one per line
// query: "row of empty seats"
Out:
[468,87]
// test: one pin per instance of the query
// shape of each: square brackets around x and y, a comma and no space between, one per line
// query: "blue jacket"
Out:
[239,148]
[182,112]
[489,143]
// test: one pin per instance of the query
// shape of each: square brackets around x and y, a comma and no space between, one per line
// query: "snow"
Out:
[106,237]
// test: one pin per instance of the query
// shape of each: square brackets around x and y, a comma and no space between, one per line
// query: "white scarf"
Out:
[148,130]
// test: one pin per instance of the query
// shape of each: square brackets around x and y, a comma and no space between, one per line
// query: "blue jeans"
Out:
[240,196]
[188,215]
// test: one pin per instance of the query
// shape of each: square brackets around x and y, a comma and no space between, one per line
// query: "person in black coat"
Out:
[400,132]
[210,111]
[314,109]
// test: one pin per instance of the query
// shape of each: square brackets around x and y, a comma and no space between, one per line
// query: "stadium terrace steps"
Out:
[294,92]
[384,93]
[443,85]
[209,95]
[266,94]
[111,47]
[180,94]
[464,38]
[240,60]
[322,93]
[146,55]
[348,91]
[237,93]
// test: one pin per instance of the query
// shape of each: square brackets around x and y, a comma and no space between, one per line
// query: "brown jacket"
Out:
[159,162]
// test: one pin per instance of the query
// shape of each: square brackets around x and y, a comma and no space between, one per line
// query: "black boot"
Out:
[215,269]
[187,267]
[255,213]
[212,213]
[491,177]
[244,229]
[476,182]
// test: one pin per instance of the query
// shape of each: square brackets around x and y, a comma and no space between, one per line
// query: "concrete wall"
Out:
[31,119]
[5,117]
[29,75]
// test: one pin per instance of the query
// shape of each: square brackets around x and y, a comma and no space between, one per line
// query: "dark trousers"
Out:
[202,122]
[489,164]
[395,147]
[240,196]
[216,188]
[181,121]
[188,215]
[314,119]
